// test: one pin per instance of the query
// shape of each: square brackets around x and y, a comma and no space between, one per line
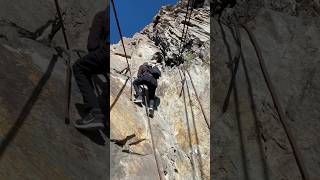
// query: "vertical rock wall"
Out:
[249,141]
[181,138]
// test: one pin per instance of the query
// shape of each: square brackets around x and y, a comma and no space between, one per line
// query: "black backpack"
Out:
[155,71]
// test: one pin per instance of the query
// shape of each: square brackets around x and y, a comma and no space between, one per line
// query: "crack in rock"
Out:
[124,141]
[137,142]
[23,32]
[133,153]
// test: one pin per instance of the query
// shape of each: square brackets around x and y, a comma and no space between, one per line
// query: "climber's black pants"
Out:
[83,69]
[150,82]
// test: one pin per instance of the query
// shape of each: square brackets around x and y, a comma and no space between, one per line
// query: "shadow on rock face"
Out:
[27,108]
[96,136]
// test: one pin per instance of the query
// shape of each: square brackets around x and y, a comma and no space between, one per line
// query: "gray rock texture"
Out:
[35,142]
[249,141]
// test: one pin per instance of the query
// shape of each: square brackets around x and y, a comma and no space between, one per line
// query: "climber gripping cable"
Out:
[148,74]
[92,64]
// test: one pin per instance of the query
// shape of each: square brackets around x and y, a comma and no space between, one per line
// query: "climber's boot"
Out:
[138,99]
[93,121]
[151,108]
[151,111]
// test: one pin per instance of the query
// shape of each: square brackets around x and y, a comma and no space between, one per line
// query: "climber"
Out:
[156,21]
[222,4]
[147,75]
[95,62]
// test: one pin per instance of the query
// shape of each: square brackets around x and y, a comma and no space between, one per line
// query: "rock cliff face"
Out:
[35,142]
[249,141]
[181,135]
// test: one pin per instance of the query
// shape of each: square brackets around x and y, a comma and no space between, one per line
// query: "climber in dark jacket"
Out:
[147,75]
[93,63]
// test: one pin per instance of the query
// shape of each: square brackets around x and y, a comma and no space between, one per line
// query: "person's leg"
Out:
[83,69]
[143,80]
[151,82]
[136,85]
[152,91]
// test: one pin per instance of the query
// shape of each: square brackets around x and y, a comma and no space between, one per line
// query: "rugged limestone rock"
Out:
[35,142]
[249,141]
[181,140]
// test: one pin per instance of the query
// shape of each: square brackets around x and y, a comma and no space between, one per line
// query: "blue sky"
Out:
[134,15]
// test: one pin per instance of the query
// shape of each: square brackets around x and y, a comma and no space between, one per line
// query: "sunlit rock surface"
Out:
[35,142]
[181,140]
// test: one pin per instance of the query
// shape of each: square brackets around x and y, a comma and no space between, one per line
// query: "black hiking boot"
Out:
[138,99]
[151,108]
[151,111]
[93,121]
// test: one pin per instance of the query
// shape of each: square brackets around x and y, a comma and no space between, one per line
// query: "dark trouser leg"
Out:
[152,91]
[150,82]
[136,85]
[83,69]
